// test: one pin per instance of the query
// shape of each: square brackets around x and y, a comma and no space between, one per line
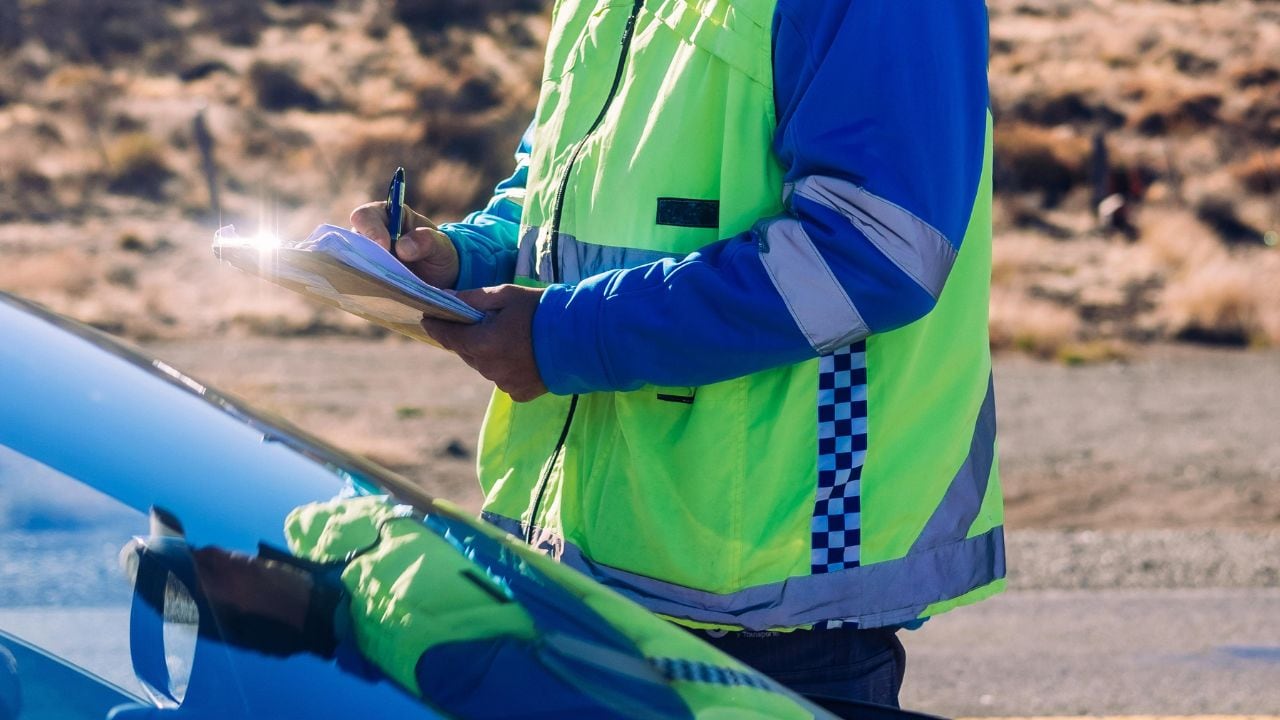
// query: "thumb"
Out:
[419,244]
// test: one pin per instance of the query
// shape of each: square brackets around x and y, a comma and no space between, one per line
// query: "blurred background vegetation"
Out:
[1138,154]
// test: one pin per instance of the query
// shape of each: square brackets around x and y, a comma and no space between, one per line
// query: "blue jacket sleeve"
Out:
[882,108]
[487,240]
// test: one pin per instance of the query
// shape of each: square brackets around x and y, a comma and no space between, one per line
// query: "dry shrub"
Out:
[1221,215]
[1035,159]
[66,272]
[1014,255]
[1062,107]
[1260,121]
[1259,173]
[277,88]
[434,16]
[373,149]
[451,188]
[136,165]
[242,22]
[83,93]
[1182,115]
[456,159]
[1030,325]
[26,193]
[1192,63]
[104,32]
[236,22]
[1228,301]
[273,312]
[1175,239]
[1256,75]
[125,276]
[1212,294]
[11,31]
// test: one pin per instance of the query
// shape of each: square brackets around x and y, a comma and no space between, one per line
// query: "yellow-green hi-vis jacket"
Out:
[858,487]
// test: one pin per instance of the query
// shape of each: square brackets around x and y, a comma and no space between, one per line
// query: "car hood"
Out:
[135,428]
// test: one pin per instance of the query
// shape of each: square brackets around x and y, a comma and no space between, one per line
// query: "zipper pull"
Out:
[631,23]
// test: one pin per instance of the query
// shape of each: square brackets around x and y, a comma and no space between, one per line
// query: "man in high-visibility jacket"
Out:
[743,370]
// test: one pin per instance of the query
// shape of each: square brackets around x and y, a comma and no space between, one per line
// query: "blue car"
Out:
[115,467]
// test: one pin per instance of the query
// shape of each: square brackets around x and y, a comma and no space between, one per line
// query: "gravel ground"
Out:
[1100,652]
[1178,437]
[1150,559]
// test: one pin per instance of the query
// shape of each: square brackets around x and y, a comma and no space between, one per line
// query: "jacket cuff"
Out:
[480,262]
[466,264]
[566,342]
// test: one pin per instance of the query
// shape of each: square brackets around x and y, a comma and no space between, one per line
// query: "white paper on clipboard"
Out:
[344,269]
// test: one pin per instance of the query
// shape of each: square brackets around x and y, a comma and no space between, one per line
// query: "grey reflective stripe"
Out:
[816,300]
[578,259]
[876,595]
[963,500]
[525,253]
[918,249]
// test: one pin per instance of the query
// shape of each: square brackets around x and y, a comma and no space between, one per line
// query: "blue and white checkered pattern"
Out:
[842,450]
[681,670]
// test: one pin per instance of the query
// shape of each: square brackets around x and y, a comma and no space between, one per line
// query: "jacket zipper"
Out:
[558,209]
[557,215]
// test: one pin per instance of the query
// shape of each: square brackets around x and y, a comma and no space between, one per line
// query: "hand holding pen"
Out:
[408,235]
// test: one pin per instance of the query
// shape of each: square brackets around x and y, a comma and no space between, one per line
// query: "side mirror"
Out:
[169,619]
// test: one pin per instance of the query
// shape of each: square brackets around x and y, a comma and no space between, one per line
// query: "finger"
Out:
[418,244]
[486,299]
[370,220]
[450,335]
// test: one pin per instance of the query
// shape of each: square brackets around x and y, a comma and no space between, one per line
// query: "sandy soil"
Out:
[1175,438]
[1179,437]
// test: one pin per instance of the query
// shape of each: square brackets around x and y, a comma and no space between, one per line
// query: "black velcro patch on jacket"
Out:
[682,212]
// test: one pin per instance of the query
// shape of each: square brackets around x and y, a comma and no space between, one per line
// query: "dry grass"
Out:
[1226,301]
[1177,240]
[1030,158]
[1212,293]
[276,88]
[1259,173]
[1033,326]
[452,187]
[65,272]
[1178,115]
[137,165]
[1190,133]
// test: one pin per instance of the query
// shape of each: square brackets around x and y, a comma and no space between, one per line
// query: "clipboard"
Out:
[342,269]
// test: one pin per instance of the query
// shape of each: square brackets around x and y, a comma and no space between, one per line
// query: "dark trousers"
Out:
[832,668]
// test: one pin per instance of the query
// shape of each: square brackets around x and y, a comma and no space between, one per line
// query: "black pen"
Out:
[395,208]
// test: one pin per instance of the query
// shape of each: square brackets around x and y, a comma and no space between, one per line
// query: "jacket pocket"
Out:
[735,32]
